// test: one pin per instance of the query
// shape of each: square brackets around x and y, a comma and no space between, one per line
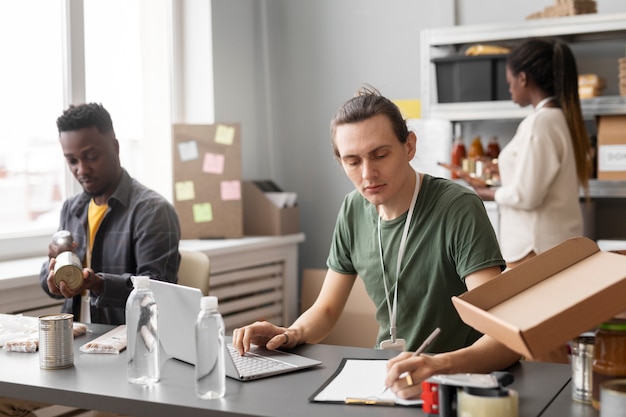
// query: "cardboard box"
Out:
[357,325]
[550,299]
[612,147]
[262,217]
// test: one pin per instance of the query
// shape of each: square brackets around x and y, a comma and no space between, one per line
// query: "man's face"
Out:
[374,159]
[93,158]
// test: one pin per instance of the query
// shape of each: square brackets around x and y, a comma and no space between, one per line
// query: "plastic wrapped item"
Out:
[20,333]
[17,326]
[22,344]
[114,341]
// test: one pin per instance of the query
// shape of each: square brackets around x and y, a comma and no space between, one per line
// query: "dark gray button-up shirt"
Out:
[139,235]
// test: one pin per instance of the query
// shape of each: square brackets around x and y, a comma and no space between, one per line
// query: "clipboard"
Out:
[347,385]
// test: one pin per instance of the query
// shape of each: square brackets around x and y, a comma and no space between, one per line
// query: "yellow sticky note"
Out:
[410,109]
[202,213]
[185,190]
[224,135]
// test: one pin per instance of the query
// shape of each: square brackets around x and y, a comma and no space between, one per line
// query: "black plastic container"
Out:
[471,78]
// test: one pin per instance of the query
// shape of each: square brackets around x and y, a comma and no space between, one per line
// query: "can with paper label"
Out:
[67,266]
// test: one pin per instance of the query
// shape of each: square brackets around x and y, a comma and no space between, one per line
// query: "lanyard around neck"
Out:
[544,102]
[407,223]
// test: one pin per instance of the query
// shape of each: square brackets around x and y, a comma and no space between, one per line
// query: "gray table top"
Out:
[98,381]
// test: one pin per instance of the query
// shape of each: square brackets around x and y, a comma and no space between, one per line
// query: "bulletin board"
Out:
[207,180]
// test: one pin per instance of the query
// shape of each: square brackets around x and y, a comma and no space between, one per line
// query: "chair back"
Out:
[194,270]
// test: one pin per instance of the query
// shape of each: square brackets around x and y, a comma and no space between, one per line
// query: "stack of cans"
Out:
[56,341]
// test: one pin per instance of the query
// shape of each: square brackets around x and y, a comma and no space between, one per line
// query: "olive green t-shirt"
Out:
[450,236]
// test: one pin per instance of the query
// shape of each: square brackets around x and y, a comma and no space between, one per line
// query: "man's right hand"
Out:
[263,333]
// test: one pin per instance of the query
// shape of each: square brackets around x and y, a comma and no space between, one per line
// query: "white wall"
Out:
[283,67]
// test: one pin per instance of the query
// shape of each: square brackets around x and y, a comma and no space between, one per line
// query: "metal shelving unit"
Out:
[584,32]
[445,41]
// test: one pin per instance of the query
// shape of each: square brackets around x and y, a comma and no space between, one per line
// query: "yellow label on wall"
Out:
[410,109]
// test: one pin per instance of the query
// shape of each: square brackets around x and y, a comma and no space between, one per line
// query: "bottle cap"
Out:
[208,302]
[140,281]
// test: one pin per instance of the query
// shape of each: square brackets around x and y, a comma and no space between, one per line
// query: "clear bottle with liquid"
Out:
[142,333]
[210,371]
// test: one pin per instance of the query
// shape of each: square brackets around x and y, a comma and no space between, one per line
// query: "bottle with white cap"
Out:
[142,333]
[210,369]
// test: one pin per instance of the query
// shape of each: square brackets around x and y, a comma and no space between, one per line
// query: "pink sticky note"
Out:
[213,163]
[231,190]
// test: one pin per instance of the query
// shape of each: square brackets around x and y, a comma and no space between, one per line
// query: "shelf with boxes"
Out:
[598,42]
[442,49]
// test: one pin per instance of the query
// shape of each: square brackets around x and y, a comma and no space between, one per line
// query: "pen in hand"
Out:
[422,347]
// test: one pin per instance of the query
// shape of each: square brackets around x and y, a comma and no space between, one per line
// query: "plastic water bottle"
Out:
[210,370]
[142,333]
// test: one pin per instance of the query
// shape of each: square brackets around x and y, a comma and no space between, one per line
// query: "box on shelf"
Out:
[550,299]
[471,78]
[612,147]
[261,216]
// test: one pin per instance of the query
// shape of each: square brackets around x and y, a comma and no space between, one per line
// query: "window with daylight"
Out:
[40,76]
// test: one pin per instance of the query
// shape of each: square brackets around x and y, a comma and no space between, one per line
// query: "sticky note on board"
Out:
[230,190]
[213,163]
[188,151]
[202,213]
[224,135]
[185,190]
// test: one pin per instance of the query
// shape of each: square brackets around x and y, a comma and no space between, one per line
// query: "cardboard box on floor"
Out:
[612,147]
[550,299]
[262,217]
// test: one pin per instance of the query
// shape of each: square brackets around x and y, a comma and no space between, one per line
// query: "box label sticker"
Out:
[612,158]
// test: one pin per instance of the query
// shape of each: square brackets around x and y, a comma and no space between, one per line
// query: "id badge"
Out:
[399,345]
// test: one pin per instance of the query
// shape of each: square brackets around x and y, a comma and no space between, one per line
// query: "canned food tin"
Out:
[613,398]
[582,367]
[68,268]
[56,341]
[63,239]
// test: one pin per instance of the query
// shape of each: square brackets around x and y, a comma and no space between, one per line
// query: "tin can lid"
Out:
[72,276]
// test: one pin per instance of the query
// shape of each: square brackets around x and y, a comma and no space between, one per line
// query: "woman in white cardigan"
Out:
[547,162]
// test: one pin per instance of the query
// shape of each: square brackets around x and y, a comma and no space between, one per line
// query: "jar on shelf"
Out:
[459,153]
[493,148]
[609,356]
[476,148]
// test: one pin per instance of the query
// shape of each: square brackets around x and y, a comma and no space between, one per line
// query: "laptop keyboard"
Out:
[251,363]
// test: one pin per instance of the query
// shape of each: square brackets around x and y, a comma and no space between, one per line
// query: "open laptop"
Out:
[178,310]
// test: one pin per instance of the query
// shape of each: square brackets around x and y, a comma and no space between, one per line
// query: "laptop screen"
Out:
[178,308]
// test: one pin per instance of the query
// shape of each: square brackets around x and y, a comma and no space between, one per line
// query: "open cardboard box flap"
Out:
[550,299]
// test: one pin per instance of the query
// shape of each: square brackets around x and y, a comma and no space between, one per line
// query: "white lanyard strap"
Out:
[407,223]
